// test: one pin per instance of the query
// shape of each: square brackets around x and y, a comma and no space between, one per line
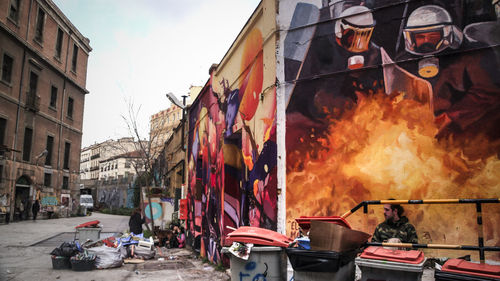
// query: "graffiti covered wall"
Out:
[394,99]
[232,142]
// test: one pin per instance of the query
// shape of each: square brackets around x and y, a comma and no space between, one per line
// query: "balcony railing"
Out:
[32,102]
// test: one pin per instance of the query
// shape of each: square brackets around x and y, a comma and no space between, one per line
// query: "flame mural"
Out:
[399,116]
[232,153]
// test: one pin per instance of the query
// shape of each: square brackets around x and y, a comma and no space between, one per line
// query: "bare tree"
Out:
[144,165]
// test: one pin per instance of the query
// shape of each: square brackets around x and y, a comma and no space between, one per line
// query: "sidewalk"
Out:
[20,259]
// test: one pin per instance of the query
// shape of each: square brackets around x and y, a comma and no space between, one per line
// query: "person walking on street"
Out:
[35,208]
[136,221]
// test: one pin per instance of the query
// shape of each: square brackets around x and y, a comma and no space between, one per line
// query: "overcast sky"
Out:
[144,49]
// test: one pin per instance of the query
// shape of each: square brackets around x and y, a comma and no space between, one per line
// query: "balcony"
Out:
[32,102]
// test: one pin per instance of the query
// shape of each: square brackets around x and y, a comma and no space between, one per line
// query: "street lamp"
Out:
[42,154]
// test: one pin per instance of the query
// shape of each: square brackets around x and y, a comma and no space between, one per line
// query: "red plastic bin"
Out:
[466,268]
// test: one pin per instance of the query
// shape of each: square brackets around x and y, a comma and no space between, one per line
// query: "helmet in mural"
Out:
[354,28]
[430,30]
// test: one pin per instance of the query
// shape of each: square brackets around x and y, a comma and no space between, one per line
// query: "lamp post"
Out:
[182,106]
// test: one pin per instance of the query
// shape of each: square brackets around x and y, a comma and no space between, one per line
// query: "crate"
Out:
[82,265]
[60,262]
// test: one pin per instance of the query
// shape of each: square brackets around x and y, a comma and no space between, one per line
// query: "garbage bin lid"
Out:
[470,268]
[379,253]
[88,224]
[259,236]
[305,221]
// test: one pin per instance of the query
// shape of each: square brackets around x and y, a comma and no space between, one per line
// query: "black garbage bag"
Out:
[66,249]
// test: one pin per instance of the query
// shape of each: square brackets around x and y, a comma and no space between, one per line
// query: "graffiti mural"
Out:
[232,151]
[394,99]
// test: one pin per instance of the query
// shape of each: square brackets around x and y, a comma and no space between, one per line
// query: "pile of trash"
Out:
[113,251]
[104,253]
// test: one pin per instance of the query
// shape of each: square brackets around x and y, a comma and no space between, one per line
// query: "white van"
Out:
[87,201]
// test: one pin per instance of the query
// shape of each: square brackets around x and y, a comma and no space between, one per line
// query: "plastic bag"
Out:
[66,249]
[107,257]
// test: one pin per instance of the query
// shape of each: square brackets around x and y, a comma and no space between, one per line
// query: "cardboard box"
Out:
[327,236]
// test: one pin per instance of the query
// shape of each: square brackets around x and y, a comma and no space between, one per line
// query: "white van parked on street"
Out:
[87,201]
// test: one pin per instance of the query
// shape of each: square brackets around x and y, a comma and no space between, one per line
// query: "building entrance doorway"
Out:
[22,202]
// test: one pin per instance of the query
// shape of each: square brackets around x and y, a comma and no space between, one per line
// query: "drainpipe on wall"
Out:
[14,145]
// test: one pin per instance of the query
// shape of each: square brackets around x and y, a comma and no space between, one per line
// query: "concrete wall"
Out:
[406,108]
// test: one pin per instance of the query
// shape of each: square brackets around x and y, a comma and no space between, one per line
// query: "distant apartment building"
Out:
[162,123]
[92,156]
[121,166]
[43,77]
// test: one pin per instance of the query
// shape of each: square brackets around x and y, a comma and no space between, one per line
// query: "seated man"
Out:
[395,228]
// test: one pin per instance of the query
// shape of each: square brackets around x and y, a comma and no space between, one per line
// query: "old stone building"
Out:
[42,94]
[162,124]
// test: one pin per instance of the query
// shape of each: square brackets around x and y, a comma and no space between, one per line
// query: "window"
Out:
[75,58]
[59,41]
[28,135]
[14,10]
[67,149]
[3,128]
[40,21]
[53,97]
[49,146]
[7,64]
[127,164]
[47,180]
[33,83]
[65,182]
[1,173]
[70,107]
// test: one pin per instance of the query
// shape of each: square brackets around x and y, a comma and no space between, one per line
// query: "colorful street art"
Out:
[161,209]
[232,153]
[49,201]
[394,99]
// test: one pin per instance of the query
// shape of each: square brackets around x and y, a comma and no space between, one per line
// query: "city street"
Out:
[26,246]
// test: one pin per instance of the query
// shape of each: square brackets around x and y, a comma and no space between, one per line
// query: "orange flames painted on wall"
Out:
[384,148]
[252,67]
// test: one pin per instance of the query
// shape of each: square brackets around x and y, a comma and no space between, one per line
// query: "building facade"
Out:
[161,124]
[108,169]
[93,155]
[320,105]
[42,94]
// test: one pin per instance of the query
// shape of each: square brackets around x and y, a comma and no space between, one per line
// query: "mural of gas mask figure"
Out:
[430,30]
[336,47]
[465,89]
[354,29]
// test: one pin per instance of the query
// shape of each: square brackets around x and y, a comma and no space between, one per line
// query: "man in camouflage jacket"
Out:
[395,226]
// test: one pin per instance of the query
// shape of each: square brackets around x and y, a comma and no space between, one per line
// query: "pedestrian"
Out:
[135,222]
[35,209]
[180,238]
[21,210]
